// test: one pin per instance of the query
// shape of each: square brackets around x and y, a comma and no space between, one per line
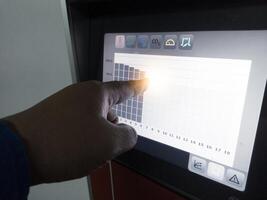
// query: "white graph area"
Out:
[201,99]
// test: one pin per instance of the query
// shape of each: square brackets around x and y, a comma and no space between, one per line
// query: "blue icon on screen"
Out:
[142,41]
[130,41]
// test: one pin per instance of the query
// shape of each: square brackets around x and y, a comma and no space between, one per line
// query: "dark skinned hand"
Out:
[73,131]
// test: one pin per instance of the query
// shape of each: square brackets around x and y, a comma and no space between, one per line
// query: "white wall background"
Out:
[34,63]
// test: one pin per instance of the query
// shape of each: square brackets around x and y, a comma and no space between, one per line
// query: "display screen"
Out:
[204,97]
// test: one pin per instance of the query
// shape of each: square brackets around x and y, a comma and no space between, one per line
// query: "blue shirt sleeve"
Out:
[14,169]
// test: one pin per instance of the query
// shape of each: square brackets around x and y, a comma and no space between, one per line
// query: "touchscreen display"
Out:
[204,96]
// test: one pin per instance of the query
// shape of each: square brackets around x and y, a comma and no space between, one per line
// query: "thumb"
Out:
[125,138]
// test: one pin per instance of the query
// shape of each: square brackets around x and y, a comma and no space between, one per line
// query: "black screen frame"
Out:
[88,45]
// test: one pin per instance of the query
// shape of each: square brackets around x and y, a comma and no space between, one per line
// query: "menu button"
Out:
[198,164]
[235,178]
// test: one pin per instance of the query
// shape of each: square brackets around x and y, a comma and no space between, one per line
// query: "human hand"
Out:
[73,131]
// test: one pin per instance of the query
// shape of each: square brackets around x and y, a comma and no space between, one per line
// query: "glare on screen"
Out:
[158,81]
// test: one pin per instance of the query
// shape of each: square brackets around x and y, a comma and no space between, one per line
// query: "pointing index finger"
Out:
[119,91]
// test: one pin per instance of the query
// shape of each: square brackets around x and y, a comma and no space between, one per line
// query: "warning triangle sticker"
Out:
[234,179]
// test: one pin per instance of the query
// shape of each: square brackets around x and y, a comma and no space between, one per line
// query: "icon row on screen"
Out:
[227,176]
[184,41]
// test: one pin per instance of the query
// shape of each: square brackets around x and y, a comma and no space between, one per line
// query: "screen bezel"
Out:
[203,19]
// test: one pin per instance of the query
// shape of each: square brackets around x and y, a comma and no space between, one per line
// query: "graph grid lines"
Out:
[131,109]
